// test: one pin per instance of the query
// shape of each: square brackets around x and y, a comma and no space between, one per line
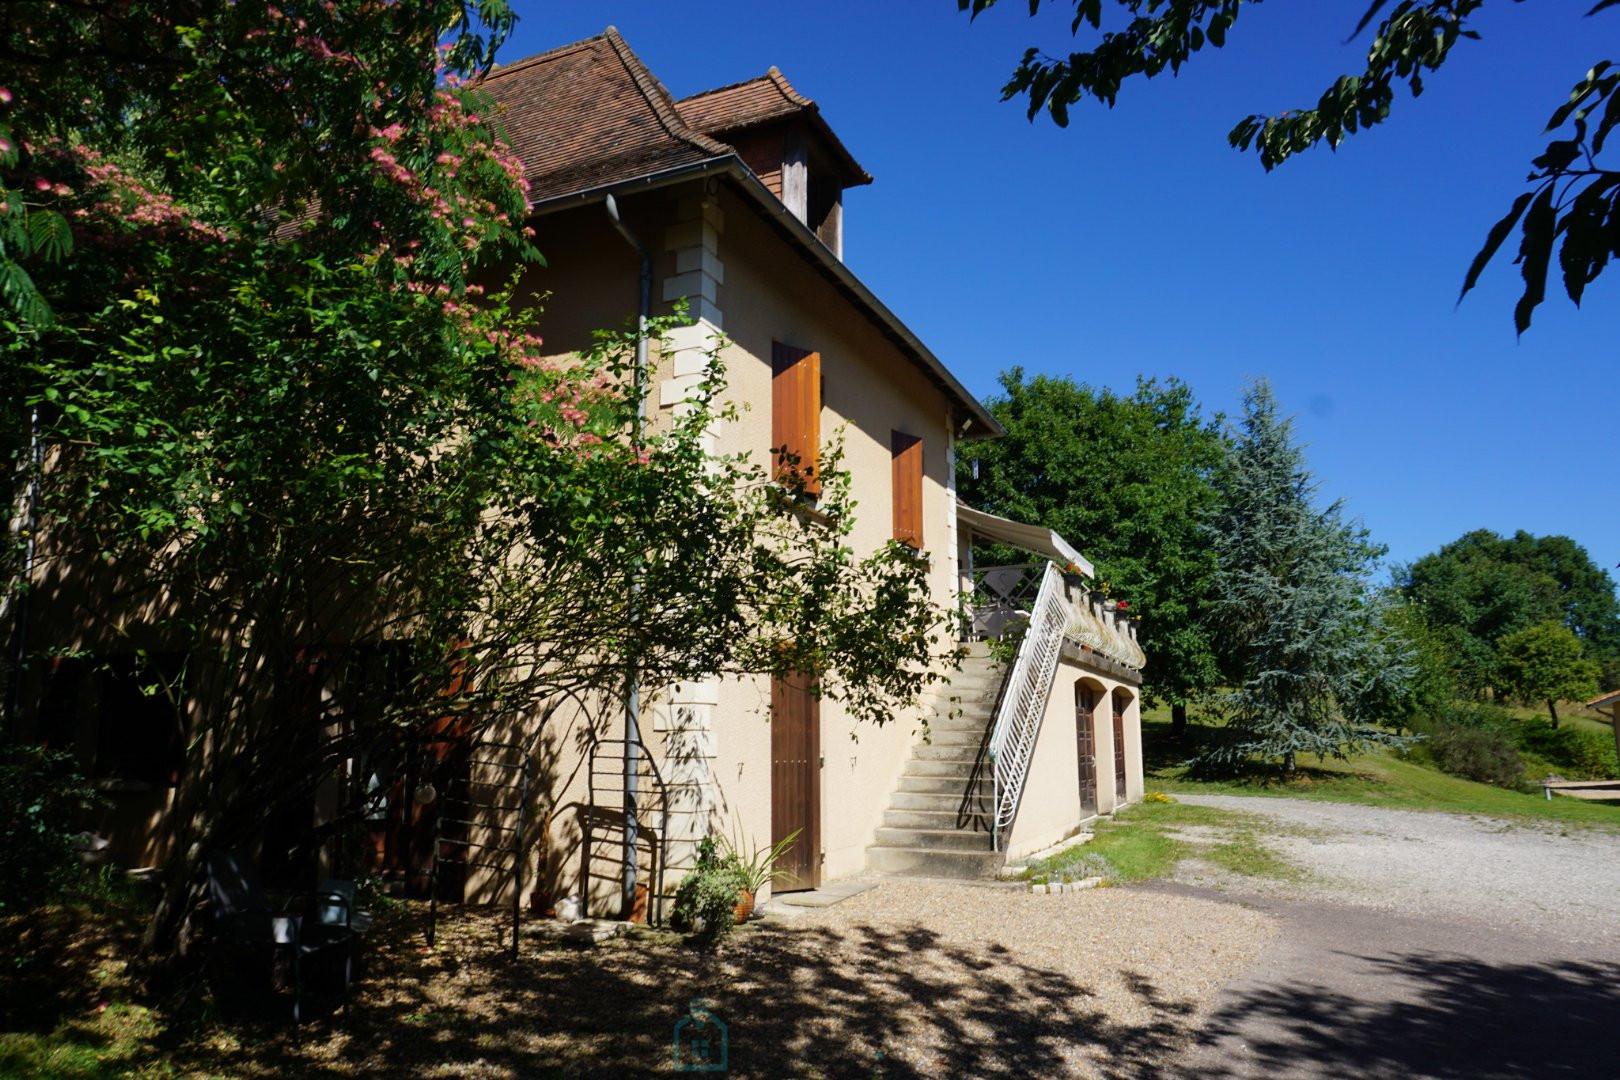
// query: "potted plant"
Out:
[756,868]
[707,898]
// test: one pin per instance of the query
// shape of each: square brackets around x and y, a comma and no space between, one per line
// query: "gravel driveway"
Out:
[1422,946]
[1500,875]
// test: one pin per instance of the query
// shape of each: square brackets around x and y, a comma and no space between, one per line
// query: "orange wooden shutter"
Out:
[796,411]
[906,462]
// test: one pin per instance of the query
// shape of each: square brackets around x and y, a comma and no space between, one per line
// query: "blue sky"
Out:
[1136,242]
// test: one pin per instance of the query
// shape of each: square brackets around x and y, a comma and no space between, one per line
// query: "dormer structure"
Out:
[781,135]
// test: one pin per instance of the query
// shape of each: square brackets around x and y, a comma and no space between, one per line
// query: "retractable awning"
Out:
[1041,541]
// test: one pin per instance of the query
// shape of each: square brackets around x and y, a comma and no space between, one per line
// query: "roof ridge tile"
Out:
[659,98]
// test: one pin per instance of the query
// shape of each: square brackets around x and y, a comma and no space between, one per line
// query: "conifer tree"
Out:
[1308,654]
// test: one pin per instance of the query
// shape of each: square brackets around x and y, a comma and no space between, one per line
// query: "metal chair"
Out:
[244,917]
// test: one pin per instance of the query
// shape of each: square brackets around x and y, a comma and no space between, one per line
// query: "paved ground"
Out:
[1425,945]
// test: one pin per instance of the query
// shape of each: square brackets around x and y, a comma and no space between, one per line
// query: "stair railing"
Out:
[1023,703]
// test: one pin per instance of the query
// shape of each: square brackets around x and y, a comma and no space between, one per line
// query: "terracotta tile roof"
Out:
[759,101]
[743,104]
[590,114]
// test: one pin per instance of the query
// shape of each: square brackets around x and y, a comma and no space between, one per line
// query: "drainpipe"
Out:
[632,682]
[30,526]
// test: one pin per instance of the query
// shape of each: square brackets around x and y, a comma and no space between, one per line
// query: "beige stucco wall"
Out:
[1050,809]
[765,293]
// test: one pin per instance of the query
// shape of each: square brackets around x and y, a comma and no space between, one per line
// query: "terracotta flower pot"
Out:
[745,906]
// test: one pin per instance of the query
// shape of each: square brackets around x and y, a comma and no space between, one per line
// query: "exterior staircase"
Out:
[938,820]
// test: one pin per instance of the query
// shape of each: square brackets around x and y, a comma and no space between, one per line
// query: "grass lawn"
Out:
[1147,841]
[1381,778]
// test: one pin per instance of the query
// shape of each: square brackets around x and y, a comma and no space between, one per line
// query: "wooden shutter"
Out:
[796,413]
[906,465]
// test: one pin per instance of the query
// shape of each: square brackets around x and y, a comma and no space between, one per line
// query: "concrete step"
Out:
[955,736]
[950,839]
[941,785]
[942,802]
[976,722]
[941,750]
[965,683]
[925,862]
[932,819]
[959,768]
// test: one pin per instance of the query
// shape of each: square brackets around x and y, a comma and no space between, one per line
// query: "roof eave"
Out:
[974,420]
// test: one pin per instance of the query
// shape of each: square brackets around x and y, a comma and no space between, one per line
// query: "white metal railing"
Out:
[1023,701]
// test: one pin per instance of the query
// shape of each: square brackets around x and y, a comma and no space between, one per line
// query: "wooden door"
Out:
[1085,733]
[1119,746]
[796,780]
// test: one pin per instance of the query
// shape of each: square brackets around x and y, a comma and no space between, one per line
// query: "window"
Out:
[906,467]
[796,415]
[138,736]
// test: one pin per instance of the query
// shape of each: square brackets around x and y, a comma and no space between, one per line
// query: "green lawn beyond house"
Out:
[1381,778]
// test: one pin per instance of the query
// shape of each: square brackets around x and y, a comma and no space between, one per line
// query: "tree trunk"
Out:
[1552,711]
[1178,719]
[1288,763]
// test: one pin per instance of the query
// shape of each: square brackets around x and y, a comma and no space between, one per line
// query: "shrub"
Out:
[42,792]
[706,899]
[1482,754]
[1574,752]
[1479,715]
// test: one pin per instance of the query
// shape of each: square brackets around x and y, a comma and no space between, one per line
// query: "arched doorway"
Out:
[1122,701]
[1086,697]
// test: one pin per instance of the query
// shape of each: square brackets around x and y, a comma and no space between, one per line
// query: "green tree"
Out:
[1482,587]
[1431,684]
[1128,479]
[1574,195]
[283,426]
[1544,663]
[1310,659]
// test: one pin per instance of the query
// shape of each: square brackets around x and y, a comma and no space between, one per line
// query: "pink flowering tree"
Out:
[269,412]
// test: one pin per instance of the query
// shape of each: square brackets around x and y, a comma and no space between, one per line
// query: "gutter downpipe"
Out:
[632,681]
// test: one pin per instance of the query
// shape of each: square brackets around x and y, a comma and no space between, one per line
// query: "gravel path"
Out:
[910,980]
[1531,877]
[1000,982]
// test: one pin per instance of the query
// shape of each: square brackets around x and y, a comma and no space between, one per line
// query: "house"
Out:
[731,202]
[736,197]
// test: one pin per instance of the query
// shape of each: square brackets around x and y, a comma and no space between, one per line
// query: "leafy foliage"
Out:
[1308,657]
[1482,587]
[1485,755]
[1129,479]
[706,899]
[1574,753]
[1544,663]
[1573,202]
[295,429]
[43,792]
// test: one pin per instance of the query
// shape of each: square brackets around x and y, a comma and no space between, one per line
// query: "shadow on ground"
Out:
[1453,1017]
[798,1000]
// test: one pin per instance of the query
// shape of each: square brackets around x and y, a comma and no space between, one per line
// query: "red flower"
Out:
[1123,605]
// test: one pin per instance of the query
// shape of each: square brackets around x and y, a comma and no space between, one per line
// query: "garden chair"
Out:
[245,918]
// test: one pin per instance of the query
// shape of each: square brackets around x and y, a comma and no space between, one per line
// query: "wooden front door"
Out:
[796,780]
[1119,747]
[1085,734]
